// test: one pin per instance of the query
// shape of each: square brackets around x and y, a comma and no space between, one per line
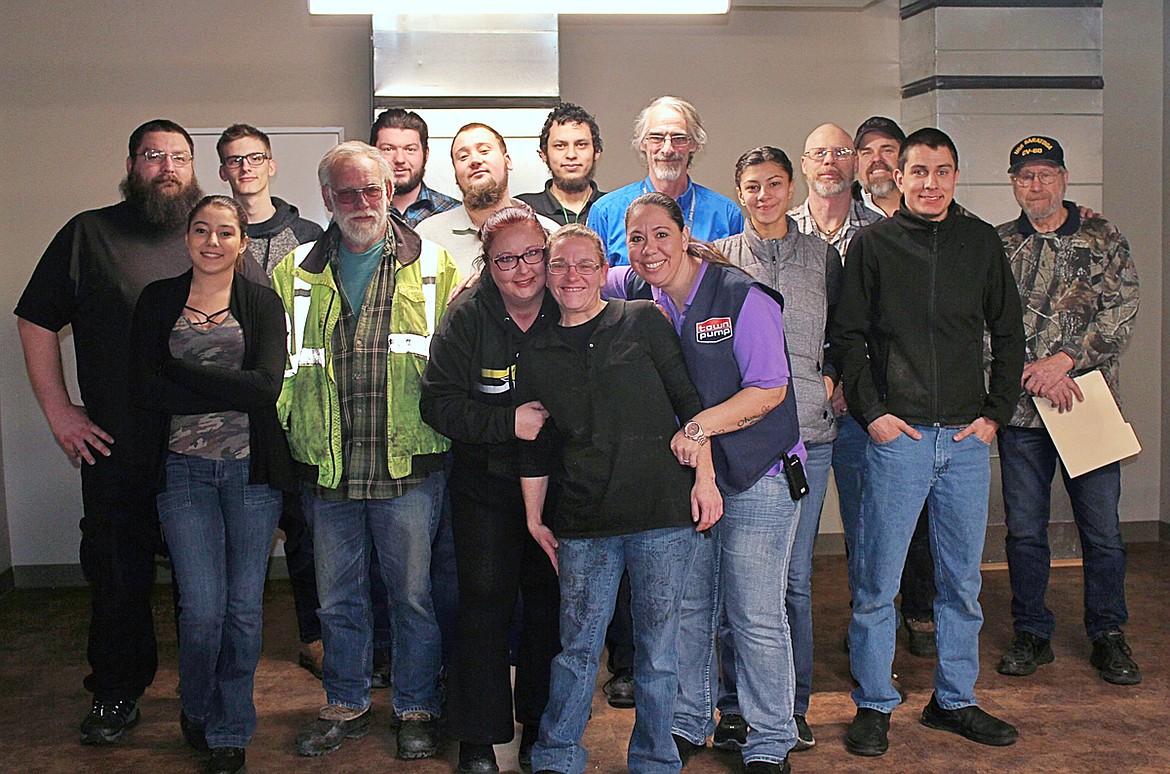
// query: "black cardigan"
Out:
[165,385]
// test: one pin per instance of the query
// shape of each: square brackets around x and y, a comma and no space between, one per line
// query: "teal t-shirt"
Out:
[357,269]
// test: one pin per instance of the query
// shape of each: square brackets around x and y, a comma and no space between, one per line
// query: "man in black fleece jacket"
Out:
[919,289]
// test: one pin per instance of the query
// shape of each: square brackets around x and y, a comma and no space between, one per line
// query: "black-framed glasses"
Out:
[584,268]
[347,196]
[819,154]
[678,140]
[253,159]
[152,156]
[509,262]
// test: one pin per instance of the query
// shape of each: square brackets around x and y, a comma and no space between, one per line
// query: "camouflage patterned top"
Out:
[221,435]
[1079,291]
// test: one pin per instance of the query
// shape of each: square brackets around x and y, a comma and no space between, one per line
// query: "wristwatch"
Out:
[694,431]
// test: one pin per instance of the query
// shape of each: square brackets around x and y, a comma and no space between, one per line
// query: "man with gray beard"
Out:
[877,142]
[90,277]
[480,157]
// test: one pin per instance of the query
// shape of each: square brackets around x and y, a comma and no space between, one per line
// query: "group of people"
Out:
[524,430]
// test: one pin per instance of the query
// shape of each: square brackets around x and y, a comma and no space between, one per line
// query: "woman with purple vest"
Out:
[732,339]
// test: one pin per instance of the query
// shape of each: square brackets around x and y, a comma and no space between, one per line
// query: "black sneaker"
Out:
[970,723]
[686,748]
[619,690]
[731,733]
[804,735]
[1026,654]
[194,733]
[920,638]
[528,736]
[1113,658]
[868,734]
[477,759]
[417,736]
[226,760]
[108,720]
[330,729]
[764,767]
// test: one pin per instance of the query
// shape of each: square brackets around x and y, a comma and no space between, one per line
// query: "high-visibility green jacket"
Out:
[309,406]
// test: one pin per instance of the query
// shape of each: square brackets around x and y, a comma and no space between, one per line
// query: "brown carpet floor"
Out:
[1069,720]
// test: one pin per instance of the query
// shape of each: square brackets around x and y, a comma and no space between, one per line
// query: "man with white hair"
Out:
[668,133]
[362,302]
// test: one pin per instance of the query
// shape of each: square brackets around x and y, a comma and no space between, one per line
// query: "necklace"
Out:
[208,320]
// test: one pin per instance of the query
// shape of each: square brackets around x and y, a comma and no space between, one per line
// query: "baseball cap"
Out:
[881,125]
[1035,148]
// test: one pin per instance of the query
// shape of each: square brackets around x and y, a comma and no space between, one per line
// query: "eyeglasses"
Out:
[509,262]
[584,268]
[347,196]
[153,156]
[658,140]
[253,159]
[1046,177]
[819,154]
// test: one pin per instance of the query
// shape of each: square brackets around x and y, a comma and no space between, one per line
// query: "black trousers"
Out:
[302,574]
[497,559]
[119,538]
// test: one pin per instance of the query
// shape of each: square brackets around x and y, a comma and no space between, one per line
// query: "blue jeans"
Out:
[403,529]
[1027,460]
[219,529]
[849,474]
[744,570]
[954,479]
[590,570]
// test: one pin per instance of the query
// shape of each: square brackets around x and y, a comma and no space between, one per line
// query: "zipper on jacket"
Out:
[930,312]
[328,375]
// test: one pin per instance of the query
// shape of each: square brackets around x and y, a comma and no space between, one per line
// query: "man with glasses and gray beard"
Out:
[90,277]
[363,301]
[667,134]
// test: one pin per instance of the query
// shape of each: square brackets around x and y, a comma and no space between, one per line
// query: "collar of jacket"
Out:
[913,222]
[1071,224]
[409,245]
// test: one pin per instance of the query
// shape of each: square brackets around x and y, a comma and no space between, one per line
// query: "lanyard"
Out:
[689,218]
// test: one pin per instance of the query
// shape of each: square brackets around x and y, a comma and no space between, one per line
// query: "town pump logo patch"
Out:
[713,330]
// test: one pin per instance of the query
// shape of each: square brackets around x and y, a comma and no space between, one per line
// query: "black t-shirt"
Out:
[90,277]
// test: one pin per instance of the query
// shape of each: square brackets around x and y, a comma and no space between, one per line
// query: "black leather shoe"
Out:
[920,638]
[108,720]
[764,767]
[1112,656]
[686,748]
[418,736]
[619,690]
[731,732]
[226,760]
[528,736]
[380,676]
[328,731]
[970,723]
[193,732]
[1026,654]
[804,735]
[868,734]
[477,759]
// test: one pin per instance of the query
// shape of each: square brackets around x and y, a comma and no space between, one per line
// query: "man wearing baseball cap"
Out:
[1080,292]
[877,142]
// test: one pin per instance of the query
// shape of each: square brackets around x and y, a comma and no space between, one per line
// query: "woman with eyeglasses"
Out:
[469,395]
[732,336]
[207,354]
[807,271]
[612,378]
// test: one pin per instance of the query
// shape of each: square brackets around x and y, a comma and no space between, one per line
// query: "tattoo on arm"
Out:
[742,422]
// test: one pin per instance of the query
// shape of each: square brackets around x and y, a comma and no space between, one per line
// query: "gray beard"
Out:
[829,190]
[160,210]
[881,190]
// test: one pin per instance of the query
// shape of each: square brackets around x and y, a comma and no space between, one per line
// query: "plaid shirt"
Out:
[859,216]
[361,346]
[427,204]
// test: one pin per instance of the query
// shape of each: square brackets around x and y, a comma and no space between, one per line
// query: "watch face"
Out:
[692,429]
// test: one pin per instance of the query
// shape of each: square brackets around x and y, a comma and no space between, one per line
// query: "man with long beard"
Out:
[668,133]
[570,145]
[480,157]
[362,301]
[90,277]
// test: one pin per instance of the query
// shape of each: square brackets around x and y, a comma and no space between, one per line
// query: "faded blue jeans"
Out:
[742,568]
[219,530]
[590,570]
[953,478]
[403,529]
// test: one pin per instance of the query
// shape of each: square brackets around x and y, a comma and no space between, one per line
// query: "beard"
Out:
[362,233]
[573,184]
[667,167]
[880,188]
[161,209]
[829,188]
[482,196]
[411,183]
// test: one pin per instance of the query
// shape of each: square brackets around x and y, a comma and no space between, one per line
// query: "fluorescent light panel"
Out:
[473,7]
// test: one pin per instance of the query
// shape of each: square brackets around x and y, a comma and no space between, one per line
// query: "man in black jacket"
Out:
[919,289]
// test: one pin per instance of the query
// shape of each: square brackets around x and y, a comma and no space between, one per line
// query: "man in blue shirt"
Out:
[668,134]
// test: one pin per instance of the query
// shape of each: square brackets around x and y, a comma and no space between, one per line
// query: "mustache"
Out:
[672,156]
[878,164]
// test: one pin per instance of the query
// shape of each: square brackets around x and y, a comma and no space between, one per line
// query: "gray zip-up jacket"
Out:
[807,272]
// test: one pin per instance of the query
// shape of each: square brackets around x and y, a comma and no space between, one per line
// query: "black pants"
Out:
[119,538]
[302,575]
[619,637]
[496,559]
[918,590]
